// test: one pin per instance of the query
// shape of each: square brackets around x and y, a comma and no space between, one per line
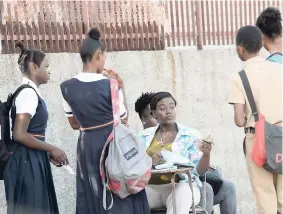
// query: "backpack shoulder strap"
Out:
[19,89]
[116,115]
[277,53]
[249,93]
[115,100]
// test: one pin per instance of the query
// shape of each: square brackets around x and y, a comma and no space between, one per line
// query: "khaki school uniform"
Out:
[266,82]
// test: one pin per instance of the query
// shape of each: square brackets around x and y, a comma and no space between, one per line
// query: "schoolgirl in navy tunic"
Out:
[87,104]
[28,178]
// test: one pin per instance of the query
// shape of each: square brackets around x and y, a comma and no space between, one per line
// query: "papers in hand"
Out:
[69,169]
[175,159]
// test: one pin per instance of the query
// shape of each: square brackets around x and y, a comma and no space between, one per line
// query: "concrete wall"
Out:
[199,81]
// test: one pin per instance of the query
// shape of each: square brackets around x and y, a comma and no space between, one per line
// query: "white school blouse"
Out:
[92,77]
[27,99]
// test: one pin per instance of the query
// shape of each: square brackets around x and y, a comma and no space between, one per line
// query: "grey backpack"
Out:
[127,168]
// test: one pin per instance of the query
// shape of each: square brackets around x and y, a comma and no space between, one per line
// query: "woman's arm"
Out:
[111,74]
[239,115]
[125,100]
[124,120]
[73,123]
[203,164]
[237,98]
[199,154]
[69,114]
[21,135]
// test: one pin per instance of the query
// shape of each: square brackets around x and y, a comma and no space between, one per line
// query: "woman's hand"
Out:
[111,74]
[157,158]
[53,161]
[205,147]
[59,157]
[204,162]
[125,122]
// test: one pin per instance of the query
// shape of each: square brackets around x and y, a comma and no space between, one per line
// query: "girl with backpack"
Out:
[270,24]
[28,178]
[87,104]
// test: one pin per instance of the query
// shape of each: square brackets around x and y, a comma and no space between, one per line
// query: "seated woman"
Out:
[179,139]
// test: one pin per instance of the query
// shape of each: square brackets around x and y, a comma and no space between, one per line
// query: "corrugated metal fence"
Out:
[61,26]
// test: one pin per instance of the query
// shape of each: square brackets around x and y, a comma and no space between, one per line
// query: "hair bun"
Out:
[22,54]
[273,14]
[94,33]
[21,46]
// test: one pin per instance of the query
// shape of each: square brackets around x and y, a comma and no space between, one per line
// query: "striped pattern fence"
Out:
[61,26]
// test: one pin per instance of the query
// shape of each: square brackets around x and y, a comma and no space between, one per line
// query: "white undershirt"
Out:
[27,99]
[91,77]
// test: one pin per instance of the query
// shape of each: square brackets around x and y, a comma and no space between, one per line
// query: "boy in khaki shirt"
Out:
[266,83]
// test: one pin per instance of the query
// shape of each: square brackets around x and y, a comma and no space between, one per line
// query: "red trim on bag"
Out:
[259,150]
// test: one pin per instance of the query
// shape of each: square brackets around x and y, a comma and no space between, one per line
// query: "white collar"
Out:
[32,84]
[149,134]
[89,77]
[182,130]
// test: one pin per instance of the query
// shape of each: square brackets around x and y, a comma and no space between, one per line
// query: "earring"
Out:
[143,122]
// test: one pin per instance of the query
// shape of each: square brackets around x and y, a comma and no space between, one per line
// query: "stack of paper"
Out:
[175,159]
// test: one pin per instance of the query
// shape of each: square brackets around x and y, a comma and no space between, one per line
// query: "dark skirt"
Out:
[89,184]
[29,183]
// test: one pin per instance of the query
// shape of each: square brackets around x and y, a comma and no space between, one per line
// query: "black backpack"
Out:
[5,140]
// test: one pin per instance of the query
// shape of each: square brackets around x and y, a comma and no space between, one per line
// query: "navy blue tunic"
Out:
[91,106]
[28,178]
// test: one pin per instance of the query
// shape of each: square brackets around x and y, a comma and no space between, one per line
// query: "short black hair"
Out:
[29,55]
[270,22]
[91,45]
[250,38]
[160,96]
[143,101]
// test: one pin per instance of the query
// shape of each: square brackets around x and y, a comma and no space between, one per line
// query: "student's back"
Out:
[265,78]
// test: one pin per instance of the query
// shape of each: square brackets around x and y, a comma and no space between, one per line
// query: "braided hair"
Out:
[27,56]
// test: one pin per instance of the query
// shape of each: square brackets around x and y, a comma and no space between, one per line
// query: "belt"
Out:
[250,130]
[96,127]
[38,135]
